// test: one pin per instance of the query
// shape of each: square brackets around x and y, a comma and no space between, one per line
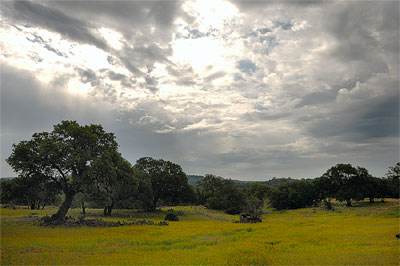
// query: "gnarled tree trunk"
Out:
[83,207]
[108,210]
[62,212]
[371,200]
[348,203]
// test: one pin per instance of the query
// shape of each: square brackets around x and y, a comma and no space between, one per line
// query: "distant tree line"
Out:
[342,182]
[76,165]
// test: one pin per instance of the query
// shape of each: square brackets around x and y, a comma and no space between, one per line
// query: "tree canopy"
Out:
[168,181]
[221,194]
[64,156]
[346,182]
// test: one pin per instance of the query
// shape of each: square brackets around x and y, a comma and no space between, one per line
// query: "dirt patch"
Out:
[210,216]
[393,203]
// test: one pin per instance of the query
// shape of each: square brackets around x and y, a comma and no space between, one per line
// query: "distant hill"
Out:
[6,178]
[193,179]
[244,184]
[274,182]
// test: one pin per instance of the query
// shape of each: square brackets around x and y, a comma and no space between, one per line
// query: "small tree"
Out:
[220,194]
[171,216]
[261,191]
[145,197]
[293,195]
[393,177]
[253,207]
[33,191]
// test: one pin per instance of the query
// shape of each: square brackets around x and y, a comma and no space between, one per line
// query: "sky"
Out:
[244,90]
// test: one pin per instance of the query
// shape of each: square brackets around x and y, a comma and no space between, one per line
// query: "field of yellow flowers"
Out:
[361,235]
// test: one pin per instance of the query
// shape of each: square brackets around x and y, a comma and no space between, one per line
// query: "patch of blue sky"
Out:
[269,42]
[238,77]
[260,107]
[283,25]
[246,66]
[264,30]
[191,34]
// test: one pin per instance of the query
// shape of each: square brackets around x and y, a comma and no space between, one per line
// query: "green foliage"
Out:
[171,216]
[293,195]
[193,179]
[346,183]
[114,181]
[327,205]
[393,184]
[220,194]
[259,190]
[65,157]
[35,191]
[168,181]
[145,199]
[254,207]
[279,181]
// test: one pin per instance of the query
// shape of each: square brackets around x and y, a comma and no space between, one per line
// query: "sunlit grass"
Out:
[308,236]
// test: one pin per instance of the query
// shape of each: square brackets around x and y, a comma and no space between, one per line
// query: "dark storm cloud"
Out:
[359,120]
[144,24]
[360,36]
[316,98]
[141,56]
[324,95]
[125,16]
[257,5]
[52,19]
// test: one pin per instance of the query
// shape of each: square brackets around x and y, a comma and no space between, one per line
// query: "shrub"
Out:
[328,205]
[171,216]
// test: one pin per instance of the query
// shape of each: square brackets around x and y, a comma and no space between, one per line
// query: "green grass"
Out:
[361,235]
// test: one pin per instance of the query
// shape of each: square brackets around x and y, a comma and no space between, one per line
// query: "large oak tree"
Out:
[346,182]
[64,156]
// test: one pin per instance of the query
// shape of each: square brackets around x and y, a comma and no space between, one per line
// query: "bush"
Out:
[327,205]
[177,212]
[253,207]
[293,195]
[171,216]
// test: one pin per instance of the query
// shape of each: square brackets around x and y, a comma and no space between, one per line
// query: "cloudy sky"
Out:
[244,90]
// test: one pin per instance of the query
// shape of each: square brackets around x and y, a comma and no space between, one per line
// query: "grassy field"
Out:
[361,235]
